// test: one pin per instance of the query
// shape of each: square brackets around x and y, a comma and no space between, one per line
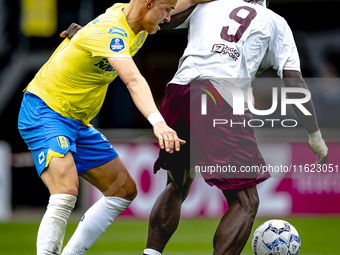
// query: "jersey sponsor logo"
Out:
[226,50]
[259,2]
[104,65]
[41,157]
[118,31]
[106,69]
[117,44]
[62,142]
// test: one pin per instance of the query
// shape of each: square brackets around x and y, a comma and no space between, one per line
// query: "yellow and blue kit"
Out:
[69,90]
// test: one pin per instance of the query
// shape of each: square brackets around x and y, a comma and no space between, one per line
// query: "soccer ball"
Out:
[276,237]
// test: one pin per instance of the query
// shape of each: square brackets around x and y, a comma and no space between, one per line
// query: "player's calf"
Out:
[94,223]
[235,226]
[53,225]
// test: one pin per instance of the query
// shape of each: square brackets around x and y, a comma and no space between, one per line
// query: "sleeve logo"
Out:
[117,31]
[117,44]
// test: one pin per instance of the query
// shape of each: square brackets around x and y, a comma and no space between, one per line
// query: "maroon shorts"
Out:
[220,146]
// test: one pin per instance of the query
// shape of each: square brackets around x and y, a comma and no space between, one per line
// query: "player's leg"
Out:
[109,174]
[118,188]
[231,146]
[49,137]
[235,226]
[62,181]
[166,212]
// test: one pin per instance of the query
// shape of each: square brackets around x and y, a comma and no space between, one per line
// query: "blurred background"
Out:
[29,33]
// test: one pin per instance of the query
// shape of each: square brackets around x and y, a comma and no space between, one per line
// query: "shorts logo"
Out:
[117,45]
[41,157]
[62,142]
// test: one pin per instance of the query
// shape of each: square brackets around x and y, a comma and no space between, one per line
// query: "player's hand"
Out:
[167,137]
[71,31]
[318,145]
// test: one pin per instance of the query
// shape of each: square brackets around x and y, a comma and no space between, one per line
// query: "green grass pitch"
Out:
[319,236]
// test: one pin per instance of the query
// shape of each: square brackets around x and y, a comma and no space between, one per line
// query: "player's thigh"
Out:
[112,179]
[223,151]
[61,177]
[98,163]
[50,137]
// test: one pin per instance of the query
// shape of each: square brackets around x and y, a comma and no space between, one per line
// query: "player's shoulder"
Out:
[115,8]
[114,14]
[113,18]
[275,19]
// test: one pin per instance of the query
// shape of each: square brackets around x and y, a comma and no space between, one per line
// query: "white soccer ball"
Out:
[276,237]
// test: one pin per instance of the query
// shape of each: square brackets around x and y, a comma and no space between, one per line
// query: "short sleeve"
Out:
[186,23]
[282,53]
[105,42]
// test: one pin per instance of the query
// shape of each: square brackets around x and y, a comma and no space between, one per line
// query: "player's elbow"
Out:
[293,79]
[133,83]
[295,83]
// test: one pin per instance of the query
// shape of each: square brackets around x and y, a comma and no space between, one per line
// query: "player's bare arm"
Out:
[177,19]
[143,99]
[293,78]
[71,31]
[183,5]
[181,12]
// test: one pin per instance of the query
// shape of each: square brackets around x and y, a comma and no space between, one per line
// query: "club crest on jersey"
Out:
[117,44]
[62,142]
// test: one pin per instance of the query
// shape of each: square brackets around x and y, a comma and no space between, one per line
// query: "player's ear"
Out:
[150,4]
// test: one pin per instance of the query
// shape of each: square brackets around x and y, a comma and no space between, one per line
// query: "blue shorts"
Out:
[49,134]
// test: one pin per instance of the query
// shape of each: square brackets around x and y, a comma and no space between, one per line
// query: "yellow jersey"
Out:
[74,81]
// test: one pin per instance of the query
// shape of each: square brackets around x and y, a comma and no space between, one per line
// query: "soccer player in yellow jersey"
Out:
[62,99]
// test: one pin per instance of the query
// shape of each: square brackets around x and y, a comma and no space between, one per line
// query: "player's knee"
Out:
[251,204]
[73,192]
[70,187]
[127,191]
[69,190]
[65,188]
[179,184]
[255,206]
[247,201]
[131,189]
[175,191]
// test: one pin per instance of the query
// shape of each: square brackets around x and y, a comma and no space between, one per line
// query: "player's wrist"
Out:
[155,117]
[316,136]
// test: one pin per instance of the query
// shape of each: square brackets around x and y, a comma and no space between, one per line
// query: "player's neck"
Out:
[134,16]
